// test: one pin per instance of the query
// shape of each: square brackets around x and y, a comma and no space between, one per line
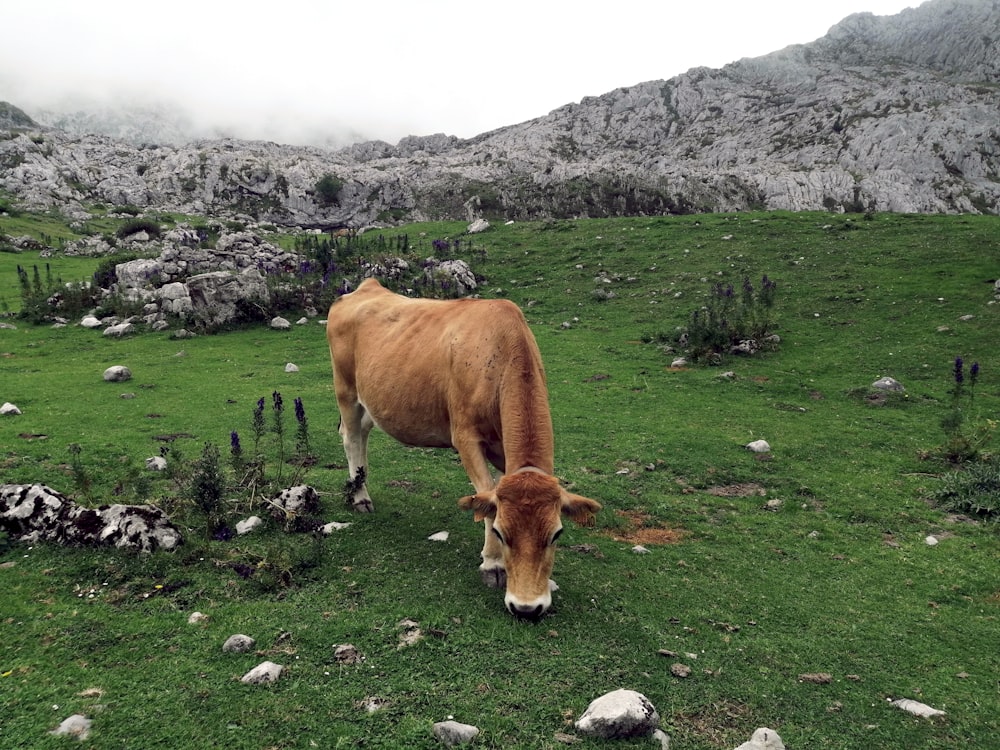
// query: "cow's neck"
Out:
[526,423]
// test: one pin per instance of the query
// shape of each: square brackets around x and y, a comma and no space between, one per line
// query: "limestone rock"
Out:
[453,733]
[763,739]
[888,384]
[9,409]
[238,644]
[263,674]
[758,446]
[117,374]
[618,715]
[77,726]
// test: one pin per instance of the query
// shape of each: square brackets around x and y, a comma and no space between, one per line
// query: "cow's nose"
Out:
[526,611]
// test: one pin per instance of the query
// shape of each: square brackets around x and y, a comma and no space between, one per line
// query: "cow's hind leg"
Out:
[355,424]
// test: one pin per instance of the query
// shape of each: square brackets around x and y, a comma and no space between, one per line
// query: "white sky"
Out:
[286,70]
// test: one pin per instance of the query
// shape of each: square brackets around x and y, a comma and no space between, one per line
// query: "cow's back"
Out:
[419,365]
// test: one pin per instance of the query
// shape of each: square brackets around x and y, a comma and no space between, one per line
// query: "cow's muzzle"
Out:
[532,612]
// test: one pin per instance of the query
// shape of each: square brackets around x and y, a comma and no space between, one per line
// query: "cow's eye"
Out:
[498,534]
[556,535]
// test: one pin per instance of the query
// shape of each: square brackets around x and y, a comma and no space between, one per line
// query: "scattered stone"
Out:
[640,550]
[763,739]
[410,633]
[441,536]
[263,674]
[372,703]
[127,396]
[888,384]
[117,374]
[245,527]
[197,618]
[291,367]
[238,644]
[758,446]
[453,733]
[930,540]
[301,321]
[77,726]
[619,714]
[816,678]
[119,329]
[333,526]
[36,513]
[479,225]
[280,324]
[156,463]
[680,670]
[679,362]
[773,505]
[347,653]
[9,409]
[295,501]
[916,707]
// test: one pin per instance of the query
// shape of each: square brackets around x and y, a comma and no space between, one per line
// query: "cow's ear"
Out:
[483,504]
[581,509]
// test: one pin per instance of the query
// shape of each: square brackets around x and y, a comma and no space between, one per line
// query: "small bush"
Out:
[974,490]
[732,322]
[134,226]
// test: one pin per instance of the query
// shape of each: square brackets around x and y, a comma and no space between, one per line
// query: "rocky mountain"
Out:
[892,113]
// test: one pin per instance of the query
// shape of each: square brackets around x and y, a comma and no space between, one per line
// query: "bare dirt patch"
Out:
[748,489]
[639,529]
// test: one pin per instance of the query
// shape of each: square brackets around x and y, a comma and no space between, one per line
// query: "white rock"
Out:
[679,362]
[197,618]
[333,526]
[888,384]
[763,739]
[245,527]
[8,409]
[280,324]
[156,463]
[76,725]
[301,321]
[930,540]
[619,714]
[119,329]
[117,374]
[238,644]
[89,321]
[916,708]
[291,367]
[441,536]
[479,225]
[640,550]
[758,446]
[264,673]
[455,733]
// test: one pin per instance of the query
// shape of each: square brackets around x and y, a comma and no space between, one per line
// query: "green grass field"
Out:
[838,579]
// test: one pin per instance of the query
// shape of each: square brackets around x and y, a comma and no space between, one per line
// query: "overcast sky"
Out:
[286,70]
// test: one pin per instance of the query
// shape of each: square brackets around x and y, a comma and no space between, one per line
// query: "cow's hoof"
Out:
[363,506]
[494,577]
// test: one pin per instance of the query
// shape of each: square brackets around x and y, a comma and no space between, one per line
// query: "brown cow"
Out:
[463,374]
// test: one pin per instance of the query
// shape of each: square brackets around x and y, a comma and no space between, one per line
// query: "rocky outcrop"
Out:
[883,113]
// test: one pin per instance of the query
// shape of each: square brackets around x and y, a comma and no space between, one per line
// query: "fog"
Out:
[302,72]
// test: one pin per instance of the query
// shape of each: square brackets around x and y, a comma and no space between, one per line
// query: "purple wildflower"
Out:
[959,377]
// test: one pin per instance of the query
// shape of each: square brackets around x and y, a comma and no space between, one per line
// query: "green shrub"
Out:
[134,226]
[974,490]
[328,190]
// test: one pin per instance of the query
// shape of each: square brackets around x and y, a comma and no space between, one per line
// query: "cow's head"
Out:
[525,511]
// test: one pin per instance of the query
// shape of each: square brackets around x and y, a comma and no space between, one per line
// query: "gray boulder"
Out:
[35,513]
[619,714]
[453,733]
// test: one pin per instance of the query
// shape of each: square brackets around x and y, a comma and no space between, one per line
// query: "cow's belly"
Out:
[422,424]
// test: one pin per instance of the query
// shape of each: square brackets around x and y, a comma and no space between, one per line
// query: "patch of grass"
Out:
[836,577]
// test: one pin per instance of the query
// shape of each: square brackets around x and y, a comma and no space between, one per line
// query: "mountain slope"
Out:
[883,113]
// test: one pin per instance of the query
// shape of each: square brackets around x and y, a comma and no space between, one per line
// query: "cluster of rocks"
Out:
[35,512]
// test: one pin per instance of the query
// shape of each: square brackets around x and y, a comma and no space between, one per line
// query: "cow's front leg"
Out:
[354,429]
[471,450]
[492,569]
